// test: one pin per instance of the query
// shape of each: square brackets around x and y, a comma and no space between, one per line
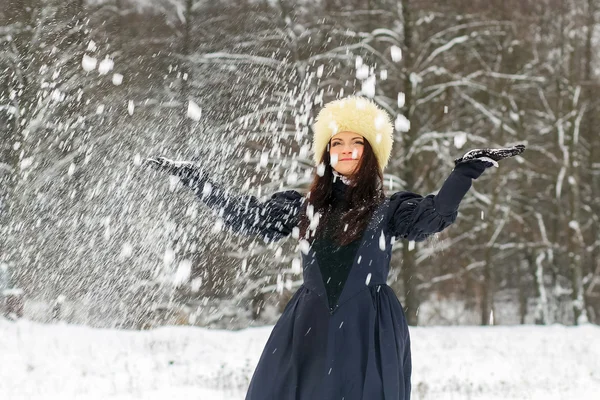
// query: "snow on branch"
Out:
[243,58]
[488,113]
[447,277]
[445,47]
[462,27]
[512,77]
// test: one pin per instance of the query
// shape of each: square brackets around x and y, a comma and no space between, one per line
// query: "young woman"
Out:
[343,335]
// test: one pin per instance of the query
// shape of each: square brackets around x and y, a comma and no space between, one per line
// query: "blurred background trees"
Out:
[90,87]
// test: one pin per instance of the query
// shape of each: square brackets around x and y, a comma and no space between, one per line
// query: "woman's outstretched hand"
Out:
[491,155]
[182,169]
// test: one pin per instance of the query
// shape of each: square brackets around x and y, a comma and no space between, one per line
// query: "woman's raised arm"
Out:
[272,219]
[414,217]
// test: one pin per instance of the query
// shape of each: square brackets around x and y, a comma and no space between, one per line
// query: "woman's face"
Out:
[345,149]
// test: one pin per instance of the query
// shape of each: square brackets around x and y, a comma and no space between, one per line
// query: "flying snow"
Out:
[368,86]
[183,273]
[117,79]
[460,140]
[194,111]
[396,53]
[362,72]
[106,66]
[401,99]
[402,124]
[88,63]
[382,241]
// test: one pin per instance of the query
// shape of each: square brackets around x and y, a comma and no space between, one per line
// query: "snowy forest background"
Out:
[88,88]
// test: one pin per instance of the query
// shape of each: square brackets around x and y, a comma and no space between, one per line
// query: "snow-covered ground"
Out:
[71,362]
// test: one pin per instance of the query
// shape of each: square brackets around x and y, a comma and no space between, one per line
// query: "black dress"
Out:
[346,340]
[335,261]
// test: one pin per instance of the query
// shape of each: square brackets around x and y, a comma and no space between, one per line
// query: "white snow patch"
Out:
[91,46]
[396,53]
[71,170]
[304,246]
[126,250]
[574,225]
[117,79]
[169,256]
[358,62]
[491,160]
[183,273]
[362,72]
[368,86]
[401,99]
[334,159]
[218,226]
[402,124]
[292,178]
[196,284]
[460,140]
[321,169]
[88,63]
[26,163]
[296,266]
[12,292]
[106,66]
[194,111]
[382,241]
[264,159]
[320,71]
[295,232]
[478,363]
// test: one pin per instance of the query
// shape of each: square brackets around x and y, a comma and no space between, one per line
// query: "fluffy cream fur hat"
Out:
[354,114]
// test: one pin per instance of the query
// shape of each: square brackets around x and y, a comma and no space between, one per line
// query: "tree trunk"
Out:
[411,296]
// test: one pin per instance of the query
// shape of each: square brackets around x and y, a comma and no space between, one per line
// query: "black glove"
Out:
[491,154]
[188,172]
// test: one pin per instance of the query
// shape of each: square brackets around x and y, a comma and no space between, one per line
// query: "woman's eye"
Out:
[336,143]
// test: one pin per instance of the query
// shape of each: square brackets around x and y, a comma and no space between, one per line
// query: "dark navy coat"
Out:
[360,348]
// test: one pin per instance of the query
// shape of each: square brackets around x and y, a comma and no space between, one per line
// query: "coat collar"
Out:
[338,176]
[340,186]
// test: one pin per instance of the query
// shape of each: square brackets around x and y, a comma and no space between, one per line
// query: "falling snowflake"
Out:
[88,63]
[106,66]
[194,111]
[117,79]
[396,53]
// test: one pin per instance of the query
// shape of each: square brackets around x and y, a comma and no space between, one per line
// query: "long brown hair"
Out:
[364,195]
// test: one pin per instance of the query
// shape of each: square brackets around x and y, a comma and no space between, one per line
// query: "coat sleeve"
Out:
[414,217]
[272,219]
